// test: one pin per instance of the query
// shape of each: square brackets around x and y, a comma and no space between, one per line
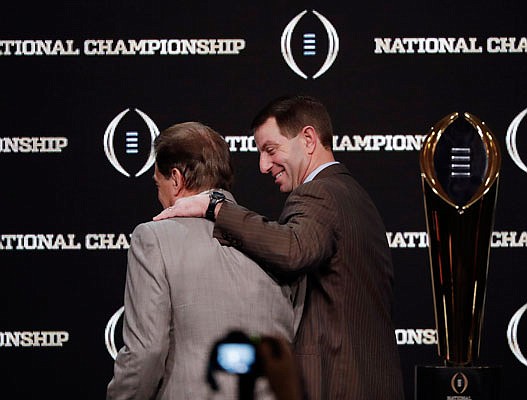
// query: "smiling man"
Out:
[283,157]
[329,231]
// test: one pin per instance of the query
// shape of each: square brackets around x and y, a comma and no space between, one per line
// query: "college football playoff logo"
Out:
[135,148]
[311,41]
[512,140]
[109,333]
[459,383]
[512,335]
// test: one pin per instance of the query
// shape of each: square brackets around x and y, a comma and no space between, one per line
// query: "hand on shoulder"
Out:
[191,206]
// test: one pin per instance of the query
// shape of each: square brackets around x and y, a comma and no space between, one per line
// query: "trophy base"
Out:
[457,383]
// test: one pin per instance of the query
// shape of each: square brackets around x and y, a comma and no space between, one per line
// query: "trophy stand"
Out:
[457,383]
[460,162]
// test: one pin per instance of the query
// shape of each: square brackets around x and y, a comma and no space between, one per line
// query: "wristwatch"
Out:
[215,198]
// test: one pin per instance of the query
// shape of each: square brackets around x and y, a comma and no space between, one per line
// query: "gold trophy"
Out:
[460,162]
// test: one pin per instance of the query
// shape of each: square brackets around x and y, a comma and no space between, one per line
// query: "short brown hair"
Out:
[198,152]
[292,113]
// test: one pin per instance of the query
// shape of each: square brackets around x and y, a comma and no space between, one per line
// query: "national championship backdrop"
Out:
[86,86]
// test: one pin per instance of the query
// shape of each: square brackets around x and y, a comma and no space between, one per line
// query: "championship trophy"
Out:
[460,163]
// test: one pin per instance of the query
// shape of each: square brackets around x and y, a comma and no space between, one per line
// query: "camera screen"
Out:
[236,358]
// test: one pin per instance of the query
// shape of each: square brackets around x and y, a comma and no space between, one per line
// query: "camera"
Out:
[236,358]
[235,354]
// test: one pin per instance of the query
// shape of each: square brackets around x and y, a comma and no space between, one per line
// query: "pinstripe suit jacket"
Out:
[184,291]
[331,231]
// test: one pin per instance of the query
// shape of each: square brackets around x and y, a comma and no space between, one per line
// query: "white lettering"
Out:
[426,45]
[110,47]
[38,48]
[378,142]
[108,241]
[506,45]
[241,143]
[416,336]
[32,144]
[508,239]
[420,239]
[34,338]
[39,242]
[345,143]
[407,239]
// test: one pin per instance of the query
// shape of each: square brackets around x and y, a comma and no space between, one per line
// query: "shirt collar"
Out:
[314,173]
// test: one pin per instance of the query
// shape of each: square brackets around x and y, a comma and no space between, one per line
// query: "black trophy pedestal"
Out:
[457,383]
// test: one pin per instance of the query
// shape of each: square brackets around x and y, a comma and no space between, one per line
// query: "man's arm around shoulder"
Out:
[301,240]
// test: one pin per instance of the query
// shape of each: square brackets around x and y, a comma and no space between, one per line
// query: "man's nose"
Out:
[265,163]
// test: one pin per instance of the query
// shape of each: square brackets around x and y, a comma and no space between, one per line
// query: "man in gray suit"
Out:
[184,290]
[330,231]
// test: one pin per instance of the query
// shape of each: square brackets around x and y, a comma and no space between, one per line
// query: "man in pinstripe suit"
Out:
[330,231]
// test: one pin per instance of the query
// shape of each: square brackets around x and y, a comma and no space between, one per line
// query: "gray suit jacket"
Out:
[183,292]
[331,231]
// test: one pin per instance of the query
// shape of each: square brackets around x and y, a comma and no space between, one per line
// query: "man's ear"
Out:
[178,180]
[310,137]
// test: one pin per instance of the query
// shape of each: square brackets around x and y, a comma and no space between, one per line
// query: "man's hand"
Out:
[191,206]
[279,366]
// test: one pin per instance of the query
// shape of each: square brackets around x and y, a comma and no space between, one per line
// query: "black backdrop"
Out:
[67,211]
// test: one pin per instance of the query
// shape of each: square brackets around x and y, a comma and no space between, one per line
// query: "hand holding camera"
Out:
[251,357]
[278,365]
